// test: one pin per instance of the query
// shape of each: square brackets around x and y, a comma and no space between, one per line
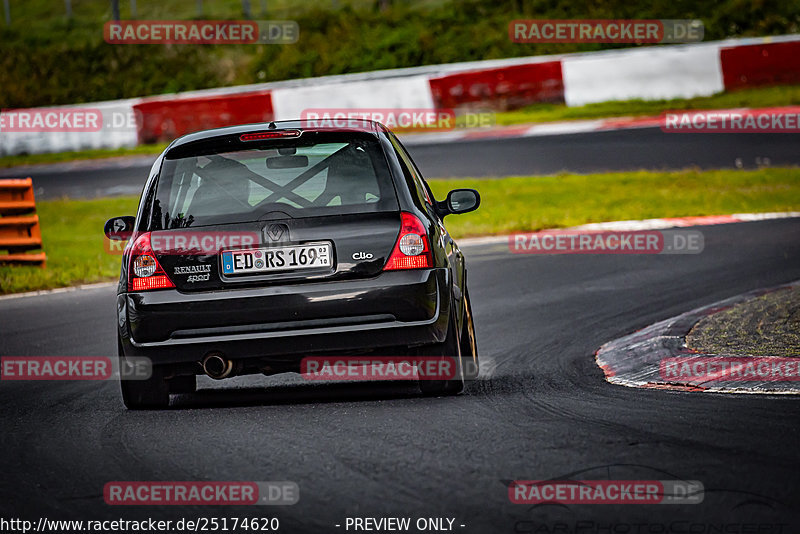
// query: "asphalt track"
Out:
[618,150]
[540,410]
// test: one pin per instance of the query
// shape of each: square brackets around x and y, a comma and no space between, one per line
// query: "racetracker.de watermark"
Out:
[733,121]
[398,119]
[73,368]
[184,493]
[606,491]
[595,242]
[201,32]
[323,368]
[42,120]
[51,120]
[188,242]
[730,369]
[606,31]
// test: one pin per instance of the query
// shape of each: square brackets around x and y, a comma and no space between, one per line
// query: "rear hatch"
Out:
[302,250]
[307,207]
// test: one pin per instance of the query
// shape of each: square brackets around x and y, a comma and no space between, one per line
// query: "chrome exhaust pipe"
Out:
[217,366]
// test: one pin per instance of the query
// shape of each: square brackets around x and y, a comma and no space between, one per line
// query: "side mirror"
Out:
[119,228]
[461,201]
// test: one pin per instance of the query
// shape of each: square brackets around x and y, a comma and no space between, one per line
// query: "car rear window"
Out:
[315,174]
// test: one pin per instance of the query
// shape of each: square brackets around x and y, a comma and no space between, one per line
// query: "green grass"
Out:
[97,153]
[762,326]
[535,203]
[72,233]
[751,98]
[49,60]
[45,16]
[73,237]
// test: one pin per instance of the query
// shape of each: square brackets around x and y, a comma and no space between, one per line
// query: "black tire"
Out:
[150,394]
[469,343]
[449,348]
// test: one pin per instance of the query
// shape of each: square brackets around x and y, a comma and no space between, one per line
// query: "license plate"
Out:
[267,260]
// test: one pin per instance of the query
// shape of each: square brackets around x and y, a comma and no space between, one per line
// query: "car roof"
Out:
[306,125]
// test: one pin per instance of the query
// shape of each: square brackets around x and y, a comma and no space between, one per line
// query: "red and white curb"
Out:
[637,360]
[644,224]
[528,130]
[678,71]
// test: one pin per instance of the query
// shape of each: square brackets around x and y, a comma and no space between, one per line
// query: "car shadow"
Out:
[297,394]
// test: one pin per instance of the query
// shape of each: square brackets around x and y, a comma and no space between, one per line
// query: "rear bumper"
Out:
[394,309]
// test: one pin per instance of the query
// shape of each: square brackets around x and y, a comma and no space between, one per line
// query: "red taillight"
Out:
[279,134]
[412,250]
[159,281]
[144,271]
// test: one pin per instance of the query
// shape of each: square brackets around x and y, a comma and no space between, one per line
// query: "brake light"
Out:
[412,250]
[144,271]
[258,136]
[148,284]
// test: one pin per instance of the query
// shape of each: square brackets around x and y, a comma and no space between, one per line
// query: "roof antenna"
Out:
[272,126]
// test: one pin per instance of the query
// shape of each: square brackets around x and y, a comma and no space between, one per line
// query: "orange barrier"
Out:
[19,224]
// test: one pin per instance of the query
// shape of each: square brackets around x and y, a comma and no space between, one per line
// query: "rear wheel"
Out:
[150,394]
[469,344]
[450,350]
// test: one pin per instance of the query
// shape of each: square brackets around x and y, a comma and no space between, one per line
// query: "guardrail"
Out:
[19,224]
[647,73]
[165,118]
[760,64]
[500,88]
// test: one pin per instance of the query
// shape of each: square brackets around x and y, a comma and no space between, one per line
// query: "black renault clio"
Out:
[255,246]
